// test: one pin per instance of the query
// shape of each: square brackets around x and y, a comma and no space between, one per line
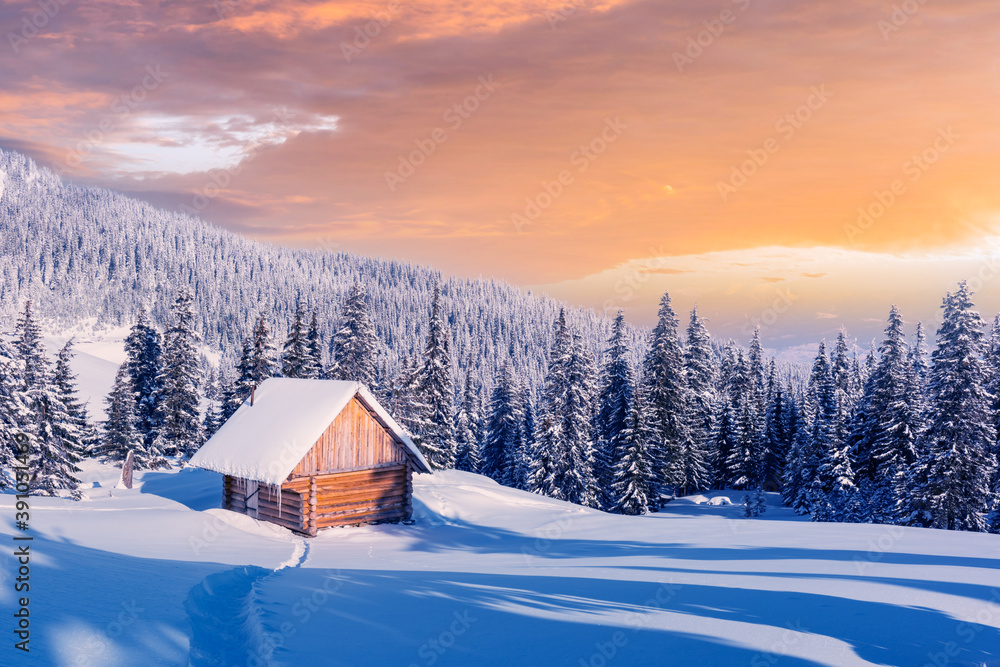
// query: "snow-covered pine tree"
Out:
[313,367]
[503,426]
[723,442]
[918,356]
[236,391]
[614,403]
[77,433]
[799,467]
[143,356]
[633,478]
[15,415]
[562,466]
[435,391]
[181,431]
[295,352]
[466,445]
[354,347]
[118,432]
[777,439]
[522,469]
[949,485]
[263,354]
[747,457]
[663,372]
[887,424]
[832,476]
[693,467]
[50,461]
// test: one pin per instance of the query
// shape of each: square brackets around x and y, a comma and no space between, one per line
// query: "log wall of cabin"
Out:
[341,499]
[285,509]
[361,496]
[353,441]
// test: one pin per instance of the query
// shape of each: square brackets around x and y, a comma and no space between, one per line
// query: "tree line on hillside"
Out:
[898,436]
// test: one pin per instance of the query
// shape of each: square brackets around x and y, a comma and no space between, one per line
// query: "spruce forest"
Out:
[559,402]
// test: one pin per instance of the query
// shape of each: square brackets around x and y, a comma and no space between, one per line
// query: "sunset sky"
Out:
[601,152]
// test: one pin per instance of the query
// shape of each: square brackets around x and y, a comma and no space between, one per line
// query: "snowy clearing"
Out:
[158,575]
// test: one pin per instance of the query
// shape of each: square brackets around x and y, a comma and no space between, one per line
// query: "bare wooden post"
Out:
[127,468]
[312,506]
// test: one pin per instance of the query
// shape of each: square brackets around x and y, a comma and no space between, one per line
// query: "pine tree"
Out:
[887,424]
[746,458]
[76,432]
[237,391]
[354,347]
[15,416]
[663,371]
[723,442]
[522,464]
[829,462]
[562,466]
[777,439]
[692,467]
[435,392]
[47,419]
[466,444]
[295,353]
[633,478]
[503,428]
[118,432]
[263,355]
[950,483]
[143,360]
[181,432]
[614,403]
[313,366]
[799,467]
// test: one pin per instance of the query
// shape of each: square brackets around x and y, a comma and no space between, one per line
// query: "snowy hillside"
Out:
[104,255]
[492,576]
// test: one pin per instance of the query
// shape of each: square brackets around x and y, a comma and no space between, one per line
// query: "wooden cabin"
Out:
[310,454]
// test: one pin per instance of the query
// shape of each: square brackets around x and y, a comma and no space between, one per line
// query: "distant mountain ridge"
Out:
[82,252]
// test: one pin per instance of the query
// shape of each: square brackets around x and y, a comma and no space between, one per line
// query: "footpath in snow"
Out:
[158,575]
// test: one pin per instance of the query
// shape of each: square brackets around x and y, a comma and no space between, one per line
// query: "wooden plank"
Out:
[335,504]
[313,525]
[358,510]
[285,522]
[351,519]
[302,483]
[355,439]
[285,506]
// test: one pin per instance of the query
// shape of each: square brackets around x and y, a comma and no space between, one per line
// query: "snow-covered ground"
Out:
[157,575]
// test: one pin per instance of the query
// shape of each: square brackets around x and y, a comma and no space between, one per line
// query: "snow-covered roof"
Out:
[265,442]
